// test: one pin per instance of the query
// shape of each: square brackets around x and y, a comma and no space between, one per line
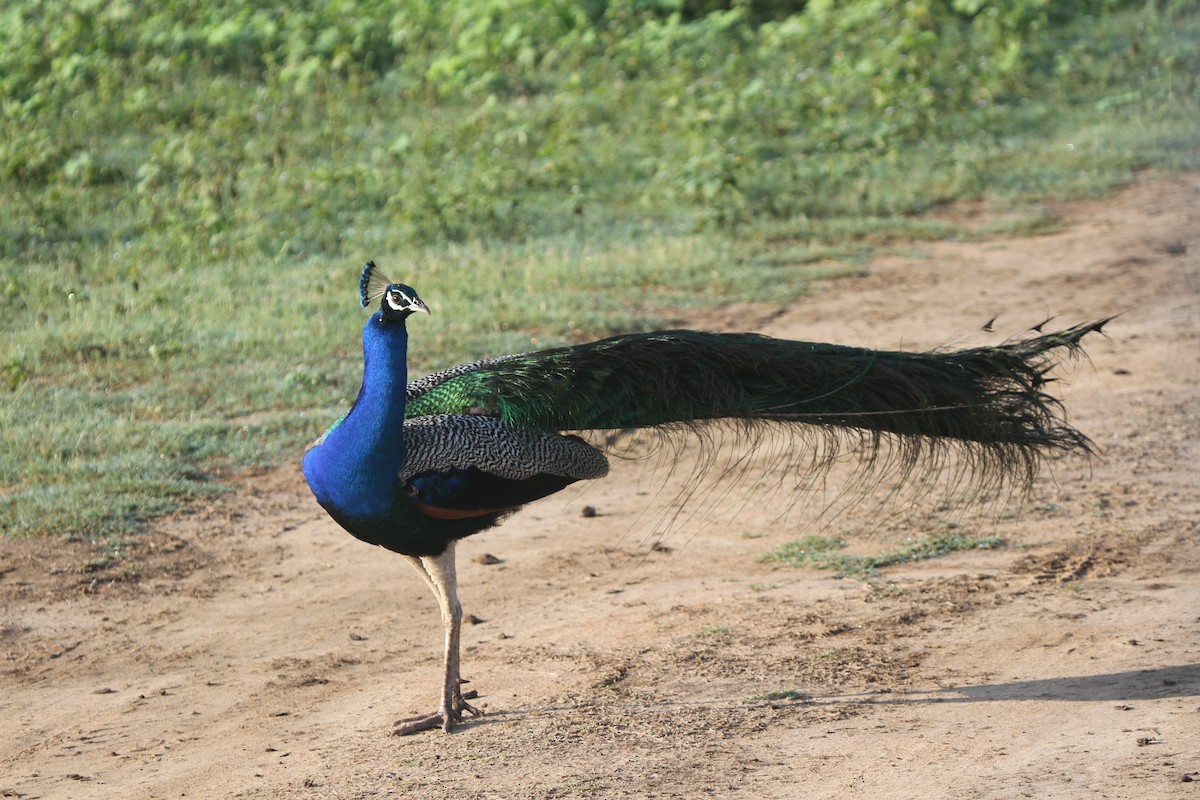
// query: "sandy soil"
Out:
[253,650]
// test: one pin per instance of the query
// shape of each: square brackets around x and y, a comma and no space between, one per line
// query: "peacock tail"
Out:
[992,398]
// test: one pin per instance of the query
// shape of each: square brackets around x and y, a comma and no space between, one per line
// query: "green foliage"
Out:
[461,120]
[187,187]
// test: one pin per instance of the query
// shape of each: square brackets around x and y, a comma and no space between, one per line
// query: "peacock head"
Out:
[398,300]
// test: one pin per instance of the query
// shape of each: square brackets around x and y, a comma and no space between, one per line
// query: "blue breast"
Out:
[352,471]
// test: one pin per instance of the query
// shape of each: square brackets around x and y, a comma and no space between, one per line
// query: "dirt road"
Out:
[260,652]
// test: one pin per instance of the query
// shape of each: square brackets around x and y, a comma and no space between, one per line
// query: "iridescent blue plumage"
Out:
[353,470]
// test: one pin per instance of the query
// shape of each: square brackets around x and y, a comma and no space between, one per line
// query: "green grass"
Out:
[713,630]
[822,552]
[775,696]
[187,192]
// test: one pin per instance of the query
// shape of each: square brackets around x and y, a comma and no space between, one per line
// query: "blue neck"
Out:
[354,469]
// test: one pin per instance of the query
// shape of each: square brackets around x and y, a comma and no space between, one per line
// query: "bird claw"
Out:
[410,725]
[438,719]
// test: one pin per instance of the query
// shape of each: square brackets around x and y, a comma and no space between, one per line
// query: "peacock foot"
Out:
[445,717]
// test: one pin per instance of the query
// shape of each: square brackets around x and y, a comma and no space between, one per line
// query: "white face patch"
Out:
[391,298]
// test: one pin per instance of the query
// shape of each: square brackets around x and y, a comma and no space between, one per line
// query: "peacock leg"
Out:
[438,572]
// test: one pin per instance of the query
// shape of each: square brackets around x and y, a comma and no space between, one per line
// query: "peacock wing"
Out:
[461,465]
[465,441]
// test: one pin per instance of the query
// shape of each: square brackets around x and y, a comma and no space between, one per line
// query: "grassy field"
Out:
[187,191]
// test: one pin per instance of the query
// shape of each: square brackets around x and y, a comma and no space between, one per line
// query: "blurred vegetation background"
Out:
[188,189]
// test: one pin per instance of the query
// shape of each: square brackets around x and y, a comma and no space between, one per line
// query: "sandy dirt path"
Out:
[263,653]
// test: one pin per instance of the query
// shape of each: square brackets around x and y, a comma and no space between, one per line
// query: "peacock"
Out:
[415,466]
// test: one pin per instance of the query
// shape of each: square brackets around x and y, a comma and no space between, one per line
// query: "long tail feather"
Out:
[985,411]
[988,395]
